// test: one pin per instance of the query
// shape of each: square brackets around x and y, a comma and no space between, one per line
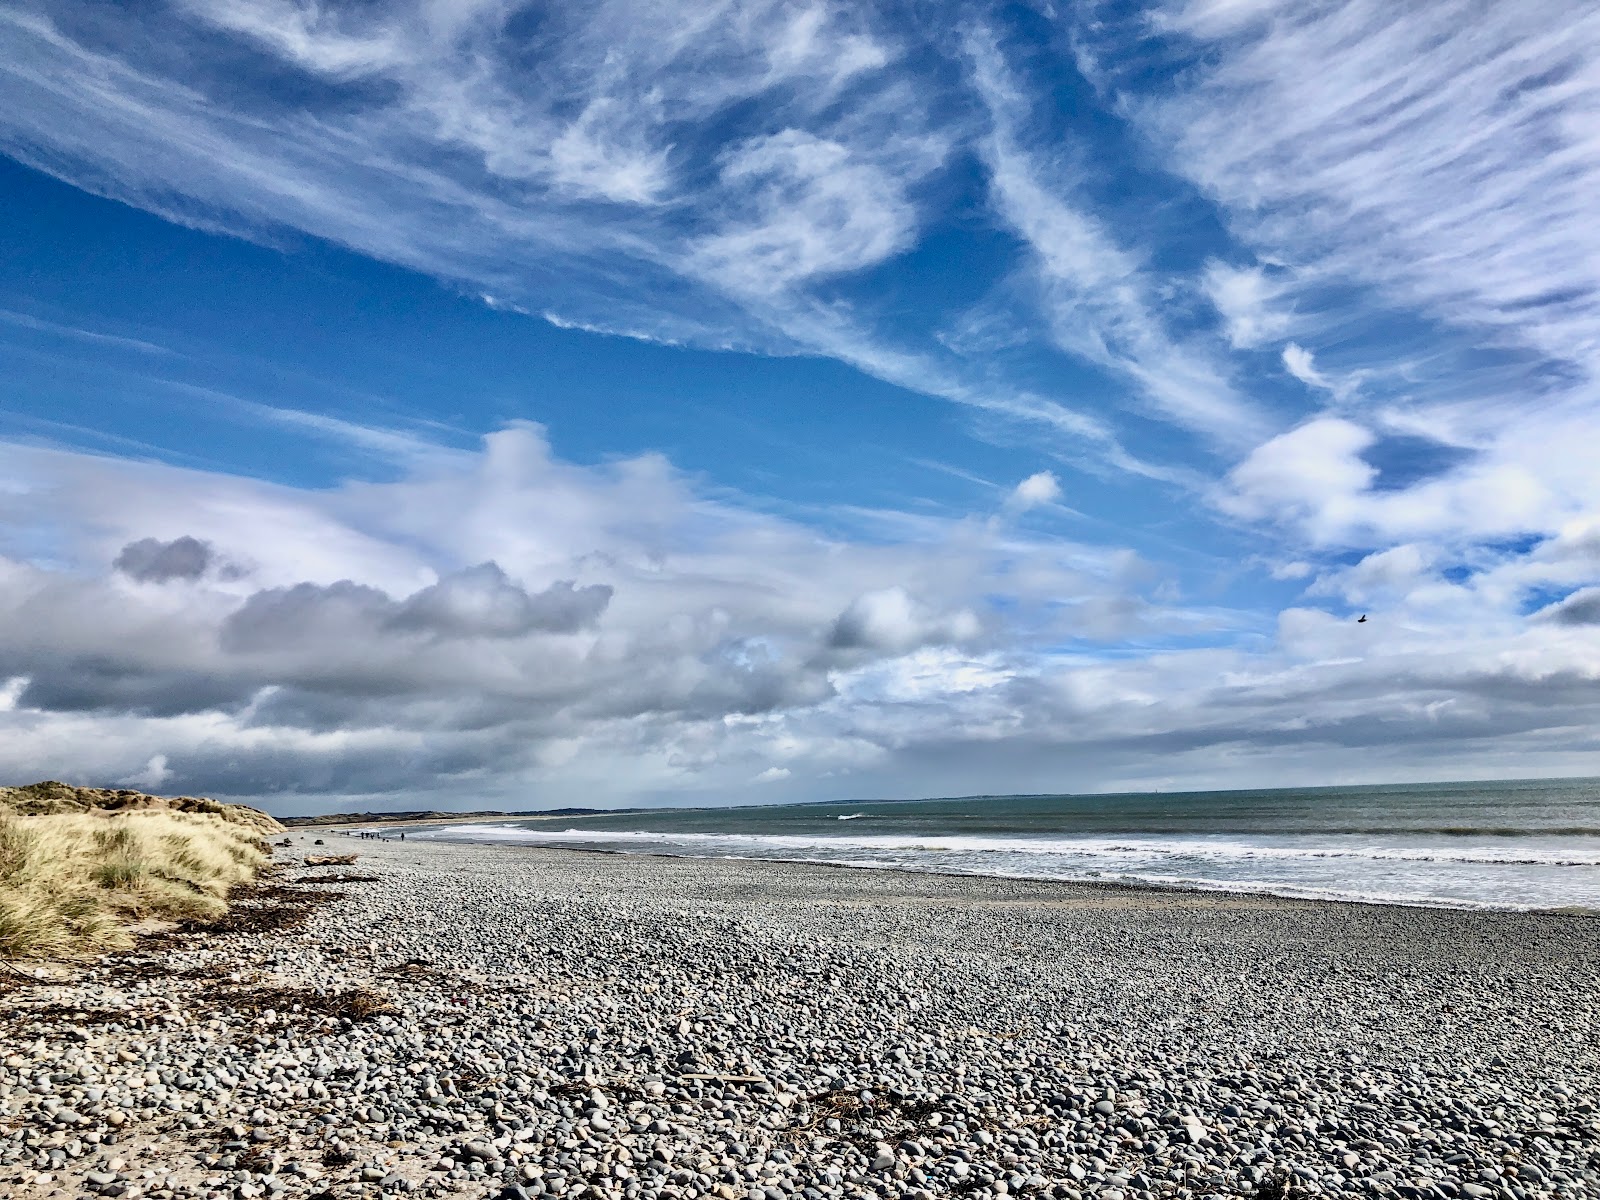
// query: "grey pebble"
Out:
[652,1029]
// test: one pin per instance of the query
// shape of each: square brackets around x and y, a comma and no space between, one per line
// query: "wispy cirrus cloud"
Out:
[1441,154]
[1096,294]
[727,177]
[1250,303]
[74,333]
[1413,248]
[441,152]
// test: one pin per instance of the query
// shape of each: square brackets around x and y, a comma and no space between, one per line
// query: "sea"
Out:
[1530,844]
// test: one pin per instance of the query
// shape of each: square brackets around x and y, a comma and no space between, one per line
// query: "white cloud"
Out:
[151,777]
[1313,473]
[597,155]
[733,645]
[311,36]
[807,47]
[502,612]
[890,621]
[813,211]
[1443,156]
[686,176]
[734,176]
[1215,18]
[1039,488]
[1300,363]
[1251,305]
[1582,607]
[1398,571]
[94,337]
[1316,482]
[1096,295]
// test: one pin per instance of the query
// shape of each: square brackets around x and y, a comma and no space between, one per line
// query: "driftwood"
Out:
[329,860]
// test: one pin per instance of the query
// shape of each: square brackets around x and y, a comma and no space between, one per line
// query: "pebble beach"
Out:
[472,1020]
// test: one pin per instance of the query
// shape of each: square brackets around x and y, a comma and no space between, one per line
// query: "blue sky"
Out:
[465,402]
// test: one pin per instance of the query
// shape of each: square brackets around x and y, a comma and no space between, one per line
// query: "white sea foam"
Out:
[1116,849]
[1506,868]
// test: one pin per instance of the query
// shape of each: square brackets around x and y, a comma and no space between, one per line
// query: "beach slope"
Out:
[488,1020]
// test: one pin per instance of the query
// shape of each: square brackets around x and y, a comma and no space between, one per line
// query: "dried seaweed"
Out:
[301,1004]
[264,908]
[345,878]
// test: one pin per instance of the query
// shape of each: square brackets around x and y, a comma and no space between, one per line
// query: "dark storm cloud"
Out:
[299,616]
[892,621]
[135,689]
[151,561]
[1580,608]
[480,602]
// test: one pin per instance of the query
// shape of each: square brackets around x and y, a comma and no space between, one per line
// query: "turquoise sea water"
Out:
[1523,844]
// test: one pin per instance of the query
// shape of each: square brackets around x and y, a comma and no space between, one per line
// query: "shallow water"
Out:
[1521,844]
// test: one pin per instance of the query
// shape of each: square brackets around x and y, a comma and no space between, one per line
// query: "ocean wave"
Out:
[1461,831]
[1111,850]
[1168,882]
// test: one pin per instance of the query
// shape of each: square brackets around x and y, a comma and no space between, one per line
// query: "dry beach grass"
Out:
[81,868]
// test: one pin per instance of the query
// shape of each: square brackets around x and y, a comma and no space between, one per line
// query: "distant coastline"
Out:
[433,817]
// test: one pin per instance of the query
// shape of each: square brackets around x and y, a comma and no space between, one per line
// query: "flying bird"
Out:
[1362,620]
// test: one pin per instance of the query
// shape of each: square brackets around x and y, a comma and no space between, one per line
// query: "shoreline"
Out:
[311,824]
[454,1023]
[1190,888]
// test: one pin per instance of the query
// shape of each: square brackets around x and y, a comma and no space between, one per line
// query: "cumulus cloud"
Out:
[1039,488]
[654,641]
[305,615]
[889,620]
[460,630]
[480,602]
[150,777]
[1320,481]
[151,561]
[929,667]
[764,176]
[1582,608]
[1312,471]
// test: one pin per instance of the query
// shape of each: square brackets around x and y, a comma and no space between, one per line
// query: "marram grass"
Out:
[74,881]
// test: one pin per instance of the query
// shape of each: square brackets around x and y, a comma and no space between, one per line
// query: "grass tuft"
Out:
[74,876]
